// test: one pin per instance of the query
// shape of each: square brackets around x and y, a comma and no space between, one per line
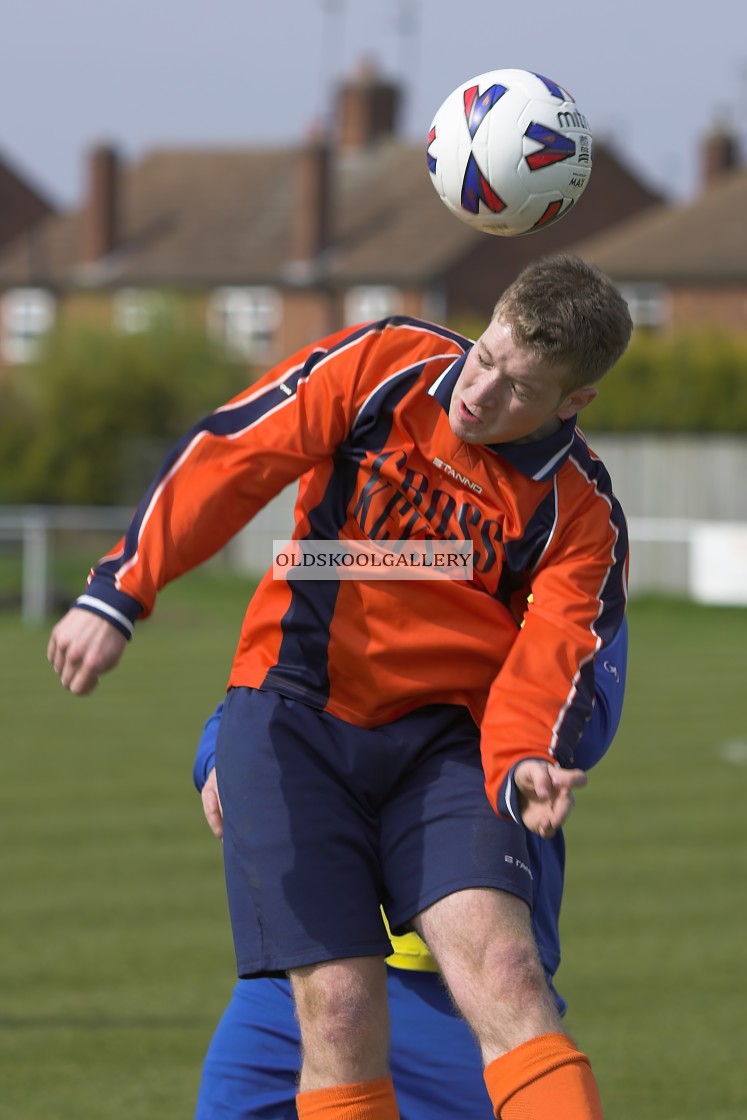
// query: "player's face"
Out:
[505,392]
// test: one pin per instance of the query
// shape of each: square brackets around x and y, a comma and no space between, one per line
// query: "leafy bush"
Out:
[684,382]
[89,423]
[19,432]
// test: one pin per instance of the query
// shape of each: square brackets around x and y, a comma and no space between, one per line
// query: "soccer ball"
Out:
[509,152]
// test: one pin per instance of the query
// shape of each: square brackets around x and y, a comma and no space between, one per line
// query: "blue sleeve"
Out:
[609,691]
[205,757]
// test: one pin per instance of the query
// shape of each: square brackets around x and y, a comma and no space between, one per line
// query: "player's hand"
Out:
[211,805]
[546,794]
[81,647]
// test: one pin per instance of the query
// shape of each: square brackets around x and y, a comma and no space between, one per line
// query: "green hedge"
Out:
[684,382]
[91,420]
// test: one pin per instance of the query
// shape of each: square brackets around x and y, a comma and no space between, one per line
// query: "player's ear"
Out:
[576,400]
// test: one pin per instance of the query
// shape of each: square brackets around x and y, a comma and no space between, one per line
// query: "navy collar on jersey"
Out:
[538,459]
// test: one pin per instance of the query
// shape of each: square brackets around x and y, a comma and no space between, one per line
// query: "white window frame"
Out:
[368,302]
[246,320]
[649,303]
[27,314]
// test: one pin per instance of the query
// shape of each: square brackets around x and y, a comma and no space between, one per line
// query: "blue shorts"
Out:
[324,822]
[251,1068]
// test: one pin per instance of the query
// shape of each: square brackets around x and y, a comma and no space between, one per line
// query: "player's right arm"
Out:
[218,477]
[211,484]
[225,469]
[81,647]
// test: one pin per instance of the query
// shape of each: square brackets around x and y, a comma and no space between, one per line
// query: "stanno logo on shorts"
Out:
[518,863]
[449,470]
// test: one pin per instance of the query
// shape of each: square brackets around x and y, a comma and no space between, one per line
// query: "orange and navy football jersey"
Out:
[361,419]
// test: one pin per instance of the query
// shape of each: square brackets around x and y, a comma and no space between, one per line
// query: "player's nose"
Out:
[485,393]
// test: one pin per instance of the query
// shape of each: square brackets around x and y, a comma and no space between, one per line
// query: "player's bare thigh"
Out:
[483,942]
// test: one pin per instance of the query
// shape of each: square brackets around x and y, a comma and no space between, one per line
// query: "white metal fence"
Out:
[34,528]
[702,559]
[684,496]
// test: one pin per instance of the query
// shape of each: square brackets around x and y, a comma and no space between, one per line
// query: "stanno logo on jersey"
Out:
[449,470]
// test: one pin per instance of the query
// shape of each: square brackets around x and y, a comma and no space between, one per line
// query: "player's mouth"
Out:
[466,415]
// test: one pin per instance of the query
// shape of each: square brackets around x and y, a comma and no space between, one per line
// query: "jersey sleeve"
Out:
[227,467]
[543,697]
[205,756]
[610,675]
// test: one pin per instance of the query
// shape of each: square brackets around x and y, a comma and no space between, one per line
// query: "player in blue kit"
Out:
[251,1067]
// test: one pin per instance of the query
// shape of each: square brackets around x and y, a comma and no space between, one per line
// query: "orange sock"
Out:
[364,1100]
[545,1077]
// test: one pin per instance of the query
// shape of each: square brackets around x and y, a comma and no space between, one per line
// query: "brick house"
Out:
[22,208]
[271,248]
[685,266]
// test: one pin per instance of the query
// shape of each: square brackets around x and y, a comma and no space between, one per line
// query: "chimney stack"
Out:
[100,213]
[719,155]
[312,208]
[367,108]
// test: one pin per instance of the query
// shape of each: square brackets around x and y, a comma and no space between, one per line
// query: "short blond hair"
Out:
[569,313]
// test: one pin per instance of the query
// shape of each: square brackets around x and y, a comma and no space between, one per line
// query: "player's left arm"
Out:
[541,700]
[545,793]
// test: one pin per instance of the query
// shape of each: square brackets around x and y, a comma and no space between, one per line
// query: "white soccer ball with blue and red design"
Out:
[509,152]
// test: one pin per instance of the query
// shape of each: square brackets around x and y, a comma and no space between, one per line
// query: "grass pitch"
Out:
[115,956]
[654,918]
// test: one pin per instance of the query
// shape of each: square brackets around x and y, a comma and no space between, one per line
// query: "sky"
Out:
[651,78]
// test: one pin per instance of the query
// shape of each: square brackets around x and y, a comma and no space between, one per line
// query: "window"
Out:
[27,315]
[369,302]
[648,304]
[246,320]
[138,309]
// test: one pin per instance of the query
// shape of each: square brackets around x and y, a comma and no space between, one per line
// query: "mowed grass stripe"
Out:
[115,957]
[654,917]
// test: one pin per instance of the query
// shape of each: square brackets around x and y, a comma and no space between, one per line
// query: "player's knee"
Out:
[339,1007]
[512,971]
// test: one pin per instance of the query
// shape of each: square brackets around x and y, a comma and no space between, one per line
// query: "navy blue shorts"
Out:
[324,822]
